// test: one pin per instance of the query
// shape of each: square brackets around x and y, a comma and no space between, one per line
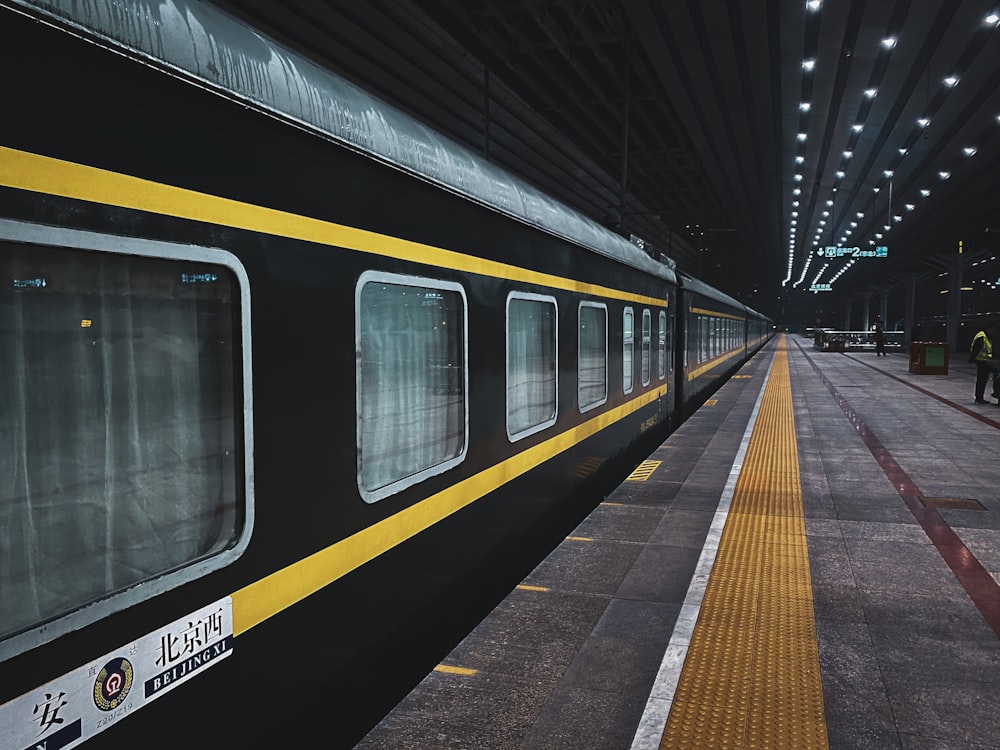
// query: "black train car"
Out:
[293,389]
[717,334]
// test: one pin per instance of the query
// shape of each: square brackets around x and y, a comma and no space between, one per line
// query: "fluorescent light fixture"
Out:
[857,127]
[809,64]
[889,42]
[805,106]
[944,175]
[969,150]
[951,81]
[848,154]
[925,192]
[870,93]
[923,122]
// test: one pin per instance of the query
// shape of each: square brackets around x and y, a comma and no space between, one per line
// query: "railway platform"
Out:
[810,561]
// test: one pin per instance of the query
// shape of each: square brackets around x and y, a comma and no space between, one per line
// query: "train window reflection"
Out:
[592,362]
[412,381]
[661,346]
[646,340]
[628,347]
[121,394]
[531,364]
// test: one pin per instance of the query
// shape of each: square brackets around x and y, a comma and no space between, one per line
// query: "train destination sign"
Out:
[821,288]
[835,251]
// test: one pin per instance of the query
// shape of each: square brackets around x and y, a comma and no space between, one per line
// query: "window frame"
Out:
[15,231]
[530,297]
[628,346]
[607,364]
[646,348]
[416,282]
[662,346]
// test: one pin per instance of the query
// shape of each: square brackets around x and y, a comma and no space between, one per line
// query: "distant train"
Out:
[293,389]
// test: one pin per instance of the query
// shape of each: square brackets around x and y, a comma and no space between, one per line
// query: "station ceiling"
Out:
[741,139]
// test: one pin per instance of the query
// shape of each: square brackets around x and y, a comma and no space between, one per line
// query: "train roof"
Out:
[689,282]
[199,42]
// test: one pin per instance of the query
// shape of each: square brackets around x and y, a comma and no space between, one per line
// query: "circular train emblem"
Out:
[113,683]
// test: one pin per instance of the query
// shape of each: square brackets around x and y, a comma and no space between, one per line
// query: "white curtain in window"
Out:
[412,381]
[531,364]
[116,426]
[592,366]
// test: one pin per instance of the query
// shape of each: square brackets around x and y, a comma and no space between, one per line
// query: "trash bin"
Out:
[929,358]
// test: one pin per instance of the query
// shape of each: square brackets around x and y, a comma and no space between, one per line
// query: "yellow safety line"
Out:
[751,677]
[44,174]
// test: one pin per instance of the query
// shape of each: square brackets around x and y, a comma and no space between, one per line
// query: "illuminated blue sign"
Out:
[198,278]
[821,288]
[835,251]
[28,283]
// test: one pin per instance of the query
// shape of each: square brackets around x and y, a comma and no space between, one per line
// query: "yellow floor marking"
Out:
[751,678]
[580,538]
[643,471]
[454,670]
[711,402]
[526,587]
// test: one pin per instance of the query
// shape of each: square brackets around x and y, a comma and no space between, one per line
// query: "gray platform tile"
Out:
[580,718]
[831,565]
[847,481]
[589,567]
[683,527]
[447,711]
[971,519]
[946,711]
[665,494]
[866,509]
[878,531]
[984,544]
[818,529]
[544,619]
[950,659]
[540,660]
[837,603]
[902,571]
[861,738]
[624,651]
[855,699]
[620,523]
[904,616]
[818,508]
[689,499]
[660,574]
[703,481]
[914,742]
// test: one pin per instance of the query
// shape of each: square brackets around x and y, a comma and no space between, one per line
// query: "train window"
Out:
[124,385]
[646,339]
[412,378]
[532,364]
[592,386]
[661,346]
[628,347]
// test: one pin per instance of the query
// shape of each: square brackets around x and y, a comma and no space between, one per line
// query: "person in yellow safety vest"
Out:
[981,353]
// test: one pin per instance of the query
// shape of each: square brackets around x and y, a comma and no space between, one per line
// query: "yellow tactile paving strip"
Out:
[751,677]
